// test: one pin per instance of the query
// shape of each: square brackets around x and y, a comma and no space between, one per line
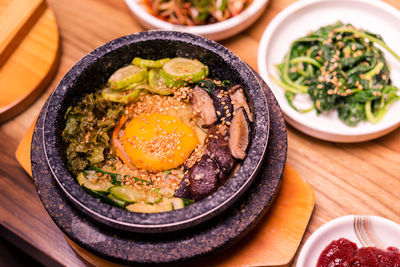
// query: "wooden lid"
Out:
[29,43]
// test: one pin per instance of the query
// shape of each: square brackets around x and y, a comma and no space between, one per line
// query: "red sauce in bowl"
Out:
[344,253]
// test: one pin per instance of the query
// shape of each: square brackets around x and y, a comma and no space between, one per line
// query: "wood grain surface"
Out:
[359,178]
[15,22]
[268,244]
[29,46]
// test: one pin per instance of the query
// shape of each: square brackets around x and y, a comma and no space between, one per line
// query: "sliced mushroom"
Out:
[203,177]
[222,104]
[201,134]
[183,190]
[238,99]
[218,149]
[203,105]
[239,134]
[222,177]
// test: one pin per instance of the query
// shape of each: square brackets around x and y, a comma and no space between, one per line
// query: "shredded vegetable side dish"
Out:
[196,12]
[340,68]
[158,135]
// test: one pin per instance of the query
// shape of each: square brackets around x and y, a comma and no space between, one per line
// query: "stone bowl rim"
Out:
[196,216]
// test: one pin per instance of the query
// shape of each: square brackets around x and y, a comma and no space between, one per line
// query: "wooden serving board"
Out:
[29,44]
[273,242]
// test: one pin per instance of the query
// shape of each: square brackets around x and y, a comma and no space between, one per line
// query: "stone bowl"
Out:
[92,71]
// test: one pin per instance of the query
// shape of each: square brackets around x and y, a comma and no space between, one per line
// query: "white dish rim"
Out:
[344,220]
[353,134]
[252,12]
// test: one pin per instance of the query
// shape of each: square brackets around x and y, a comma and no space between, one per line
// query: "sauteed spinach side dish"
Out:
[341,68]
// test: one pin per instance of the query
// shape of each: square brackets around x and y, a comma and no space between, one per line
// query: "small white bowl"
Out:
[308,15]
[364,230]
[216,31]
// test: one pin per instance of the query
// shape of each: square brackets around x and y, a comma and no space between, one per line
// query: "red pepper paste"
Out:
[344,253]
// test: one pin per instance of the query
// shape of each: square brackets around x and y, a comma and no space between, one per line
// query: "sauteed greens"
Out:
[86,131]
[341,68]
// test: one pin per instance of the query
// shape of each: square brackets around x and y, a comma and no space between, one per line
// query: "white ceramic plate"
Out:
[363,230]
[216,31]
[308,15]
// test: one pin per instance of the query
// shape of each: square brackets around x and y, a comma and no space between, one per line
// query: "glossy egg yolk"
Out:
[158,142]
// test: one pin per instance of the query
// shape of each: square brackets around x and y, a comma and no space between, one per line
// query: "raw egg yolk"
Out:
[158,142]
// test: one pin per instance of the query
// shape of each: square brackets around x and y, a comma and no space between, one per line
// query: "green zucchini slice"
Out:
[163,206]
[149,63]
[122,97]
[126,76]
[133,86]
[157,83]
[177,203]
[179,71]
[132,194]
[116,202]
[85,180]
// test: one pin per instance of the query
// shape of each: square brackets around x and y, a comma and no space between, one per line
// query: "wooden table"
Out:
[348,178]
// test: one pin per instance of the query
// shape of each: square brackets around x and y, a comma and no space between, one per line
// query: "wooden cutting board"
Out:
[29,44]
[274,240]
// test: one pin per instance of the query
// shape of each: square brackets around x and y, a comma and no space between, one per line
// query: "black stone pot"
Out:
[92,71]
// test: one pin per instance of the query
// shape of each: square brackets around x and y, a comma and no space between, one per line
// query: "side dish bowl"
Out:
[364,230]
[302,17]
[92,71]
[216,31]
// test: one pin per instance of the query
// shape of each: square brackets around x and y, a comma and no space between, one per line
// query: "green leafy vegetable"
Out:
[226,83]
[187,202]
[207,85]
[117,178]
[210,85]
[340,68]
[86,132]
